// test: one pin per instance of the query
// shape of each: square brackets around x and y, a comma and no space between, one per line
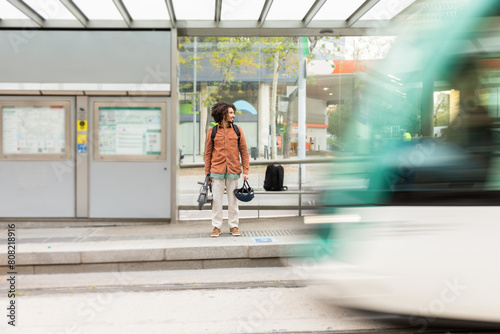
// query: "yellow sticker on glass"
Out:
[81,125]
[81,139]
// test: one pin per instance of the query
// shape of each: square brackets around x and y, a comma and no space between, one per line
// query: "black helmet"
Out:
[245,193]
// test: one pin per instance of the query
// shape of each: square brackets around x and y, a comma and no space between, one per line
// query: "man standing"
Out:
[222,161]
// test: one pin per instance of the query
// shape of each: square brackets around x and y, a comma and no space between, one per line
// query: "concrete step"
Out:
[223,278]
[118,249]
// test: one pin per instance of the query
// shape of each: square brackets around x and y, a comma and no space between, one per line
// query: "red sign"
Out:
[351,66]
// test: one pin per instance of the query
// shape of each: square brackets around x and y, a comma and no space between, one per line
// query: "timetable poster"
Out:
[33,130]
[129,131]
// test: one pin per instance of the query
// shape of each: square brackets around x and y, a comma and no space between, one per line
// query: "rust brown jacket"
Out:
[225,153]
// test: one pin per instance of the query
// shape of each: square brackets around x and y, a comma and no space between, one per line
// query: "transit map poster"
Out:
[130,130]
[33,129]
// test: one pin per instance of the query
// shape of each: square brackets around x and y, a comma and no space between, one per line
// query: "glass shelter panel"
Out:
[147,9]
[241,10]
[51,9]
[386,9]
[337,9]
[194,9]
[261,77]
[8,11]
[289,10]
[99,9]
[426,123]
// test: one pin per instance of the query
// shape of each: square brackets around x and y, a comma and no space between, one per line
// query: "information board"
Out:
[34,129]
[130,130]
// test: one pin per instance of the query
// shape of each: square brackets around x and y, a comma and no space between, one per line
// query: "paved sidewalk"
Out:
[185,245]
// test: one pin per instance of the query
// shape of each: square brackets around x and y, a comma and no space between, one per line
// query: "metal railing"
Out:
[300,191]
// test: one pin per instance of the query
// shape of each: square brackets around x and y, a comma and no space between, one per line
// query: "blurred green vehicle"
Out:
[410,224]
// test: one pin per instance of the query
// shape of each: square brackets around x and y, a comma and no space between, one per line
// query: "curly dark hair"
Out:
[219,110]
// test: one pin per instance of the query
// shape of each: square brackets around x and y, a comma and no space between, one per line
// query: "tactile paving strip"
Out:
[270,233]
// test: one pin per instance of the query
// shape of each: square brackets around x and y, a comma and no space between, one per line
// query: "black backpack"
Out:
[214,131]
[274,178]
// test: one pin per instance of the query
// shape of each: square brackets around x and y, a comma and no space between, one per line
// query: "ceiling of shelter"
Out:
[207,17]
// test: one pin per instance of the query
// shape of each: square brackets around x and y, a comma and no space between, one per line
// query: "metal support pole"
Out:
[300,188]
[194,102]
[173,125]
[302,107]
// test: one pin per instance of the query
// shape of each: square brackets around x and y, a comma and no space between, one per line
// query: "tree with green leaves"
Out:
[280,53]
[228,55]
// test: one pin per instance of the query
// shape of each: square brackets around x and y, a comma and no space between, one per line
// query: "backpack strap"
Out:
[237,130]
[214,131]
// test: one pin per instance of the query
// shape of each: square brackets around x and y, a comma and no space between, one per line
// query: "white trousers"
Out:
[218,186]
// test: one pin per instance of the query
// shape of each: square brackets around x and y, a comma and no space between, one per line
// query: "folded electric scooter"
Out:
[205,195]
